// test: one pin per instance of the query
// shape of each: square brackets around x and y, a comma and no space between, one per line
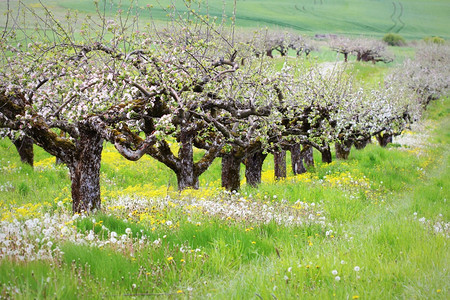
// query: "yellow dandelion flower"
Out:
[179,292]
[355,297]
[253,242]
[170,258]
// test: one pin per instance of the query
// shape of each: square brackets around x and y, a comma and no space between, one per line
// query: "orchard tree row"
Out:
[142,89]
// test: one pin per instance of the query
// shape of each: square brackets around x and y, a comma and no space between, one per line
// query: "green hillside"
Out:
[413,19]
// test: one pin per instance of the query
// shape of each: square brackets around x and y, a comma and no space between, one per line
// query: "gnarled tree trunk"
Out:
[279,159]
[186,175]
[187,179]
[24,146]
[85,172]
[343,149]
[82,153]
[253,168]
[297,160]
[326,154]
[308,155]
[231,168]
[384,139]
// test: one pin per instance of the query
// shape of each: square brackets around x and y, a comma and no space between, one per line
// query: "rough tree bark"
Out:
[231,168]
[253,168]
[384,139]
[297,160]
[279,159]
[84,169]
[308,155]
[326,154]
[24,146]
[343,149]
[186,175]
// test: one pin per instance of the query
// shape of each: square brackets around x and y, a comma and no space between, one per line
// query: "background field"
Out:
[413,19]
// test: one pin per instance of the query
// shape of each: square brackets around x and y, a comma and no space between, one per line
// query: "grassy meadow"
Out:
[372,227]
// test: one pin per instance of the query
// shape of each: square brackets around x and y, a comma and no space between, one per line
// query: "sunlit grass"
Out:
[374,226]
[354,17]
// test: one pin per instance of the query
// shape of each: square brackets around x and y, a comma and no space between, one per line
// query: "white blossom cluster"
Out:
[428,74]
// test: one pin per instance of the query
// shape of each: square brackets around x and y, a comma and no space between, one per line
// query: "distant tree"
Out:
[266,42]
[434,40]
[364,49]
[371,50]
[393,39]
[427,74]
[342,45]
[301,44]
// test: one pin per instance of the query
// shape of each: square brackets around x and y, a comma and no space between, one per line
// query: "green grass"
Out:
[376,226]
[415,20]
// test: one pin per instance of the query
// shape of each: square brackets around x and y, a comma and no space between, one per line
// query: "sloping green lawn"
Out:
[413,19]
